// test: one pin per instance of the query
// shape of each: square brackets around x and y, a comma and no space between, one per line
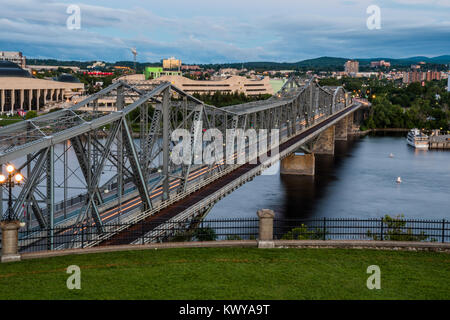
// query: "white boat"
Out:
[417,139]
[399,180]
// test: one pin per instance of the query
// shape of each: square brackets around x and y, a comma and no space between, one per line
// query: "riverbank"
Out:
[363,132]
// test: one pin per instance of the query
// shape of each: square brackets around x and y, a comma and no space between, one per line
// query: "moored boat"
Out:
[417,139]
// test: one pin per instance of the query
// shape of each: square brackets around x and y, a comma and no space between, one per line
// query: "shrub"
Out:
[205,234]
[396,230]
[303,233]
[30,114]
[233,237]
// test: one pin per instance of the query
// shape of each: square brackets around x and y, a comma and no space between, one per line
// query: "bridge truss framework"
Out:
[95,153]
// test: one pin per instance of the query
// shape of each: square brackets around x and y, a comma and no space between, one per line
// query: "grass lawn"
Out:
[232,273]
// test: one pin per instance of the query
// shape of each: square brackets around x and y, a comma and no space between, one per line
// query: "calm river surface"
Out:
[357,182]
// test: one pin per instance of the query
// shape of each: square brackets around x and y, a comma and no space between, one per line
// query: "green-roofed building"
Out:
[156,72]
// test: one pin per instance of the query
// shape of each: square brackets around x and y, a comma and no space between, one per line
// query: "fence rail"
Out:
[238,229]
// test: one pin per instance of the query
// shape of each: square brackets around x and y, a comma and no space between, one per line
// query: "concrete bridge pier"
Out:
[304,163]
[344,127]
[325,142]
[299,164]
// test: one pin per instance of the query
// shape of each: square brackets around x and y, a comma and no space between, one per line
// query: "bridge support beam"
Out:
[325,143]
[303,165]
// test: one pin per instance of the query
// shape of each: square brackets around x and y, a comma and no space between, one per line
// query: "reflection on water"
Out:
[359,181]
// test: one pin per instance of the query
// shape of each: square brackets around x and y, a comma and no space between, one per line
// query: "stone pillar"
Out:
[30,98]
[325,143]
[2,100]
[265,239]
[45,97]
[38,99]
[13,100]
[10,241]
[303,165]
[22,98]
[341,130]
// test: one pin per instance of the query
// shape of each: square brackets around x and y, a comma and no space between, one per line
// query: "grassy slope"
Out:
[232,273]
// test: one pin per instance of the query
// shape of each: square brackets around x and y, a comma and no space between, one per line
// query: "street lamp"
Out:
[11,180]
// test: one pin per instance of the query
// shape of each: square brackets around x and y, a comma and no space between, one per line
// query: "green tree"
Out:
[30,115]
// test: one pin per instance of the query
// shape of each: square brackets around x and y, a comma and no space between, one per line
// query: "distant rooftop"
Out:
[10,69]
[65,77]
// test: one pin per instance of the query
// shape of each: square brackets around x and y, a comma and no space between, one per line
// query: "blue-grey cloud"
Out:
[209,31]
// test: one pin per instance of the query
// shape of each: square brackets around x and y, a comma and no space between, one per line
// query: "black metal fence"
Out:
[391,229]
[235,229]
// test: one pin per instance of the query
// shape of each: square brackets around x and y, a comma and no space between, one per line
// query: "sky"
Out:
[212,31]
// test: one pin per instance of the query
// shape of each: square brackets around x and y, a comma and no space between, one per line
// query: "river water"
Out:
[359,181]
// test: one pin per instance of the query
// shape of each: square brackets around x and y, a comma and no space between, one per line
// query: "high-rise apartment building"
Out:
[352,67]
[417,76]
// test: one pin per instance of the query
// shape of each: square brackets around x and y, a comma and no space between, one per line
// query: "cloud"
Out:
[209,31]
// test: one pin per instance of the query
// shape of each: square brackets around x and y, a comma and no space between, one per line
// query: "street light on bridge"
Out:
[10,180]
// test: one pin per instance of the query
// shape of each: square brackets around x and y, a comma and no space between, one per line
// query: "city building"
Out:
[98,73]
[447,75]
[351,67]
[417,76]
[171,64]
[14,57]
[156,72]
[190,68]
[229,85]
[224,85]
[20,91]
[380,63]
[32,68]
[97,64]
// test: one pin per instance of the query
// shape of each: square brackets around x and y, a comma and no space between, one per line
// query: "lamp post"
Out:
[10,226]
[13,178]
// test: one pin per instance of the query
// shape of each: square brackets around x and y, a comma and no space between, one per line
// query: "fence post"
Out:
[265,239]
[82,237]
[324,228]
[142,232]
[443,230]
[381,229]
[10,241]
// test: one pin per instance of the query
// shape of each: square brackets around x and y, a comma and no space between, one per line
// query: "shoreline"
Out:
[380,130]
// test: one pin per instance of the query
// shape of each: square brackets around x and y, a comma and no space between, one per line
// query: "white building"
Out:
[14,57]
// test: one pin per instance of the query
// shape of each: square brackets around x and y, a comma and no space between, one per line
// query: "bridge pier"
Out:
[325,143]
[344,127]
[296,164]
[341,130]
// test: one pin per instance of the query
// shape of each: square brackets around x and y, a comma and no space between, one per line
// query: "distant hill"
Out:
[329,63]
[322,63]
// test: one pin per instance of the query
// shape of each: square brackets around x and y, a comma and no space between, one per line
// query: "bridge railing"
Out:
[155,231]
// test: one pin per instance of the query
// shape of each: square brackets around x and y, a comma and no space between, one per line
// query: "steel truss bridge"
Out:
[89,167]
